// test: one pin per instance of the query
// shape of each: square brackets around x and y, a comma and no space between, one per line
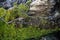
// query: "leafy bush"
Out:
[28,2]
[2,12]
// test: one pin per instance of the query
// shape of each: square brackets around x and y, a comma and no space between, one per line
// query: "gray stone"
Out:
[42,6]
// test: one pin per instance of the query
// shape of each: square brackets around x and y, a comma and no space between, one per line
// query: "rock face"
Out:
[46,8]
[53,36]
[42,6]
[9,3]
[49,38]
[21,1]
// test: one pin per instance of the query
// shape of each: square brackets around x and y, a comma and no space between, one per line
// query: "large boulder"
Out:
[42,6]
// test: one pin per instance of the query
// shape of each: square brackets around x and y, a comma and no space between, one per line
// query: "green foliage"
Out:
[20,11]
[23,7]
[28,2]
[9,32]
[2,12]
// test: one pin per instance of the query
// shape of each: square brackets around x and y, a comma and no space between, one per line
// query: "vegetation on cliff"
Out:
[10,31]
